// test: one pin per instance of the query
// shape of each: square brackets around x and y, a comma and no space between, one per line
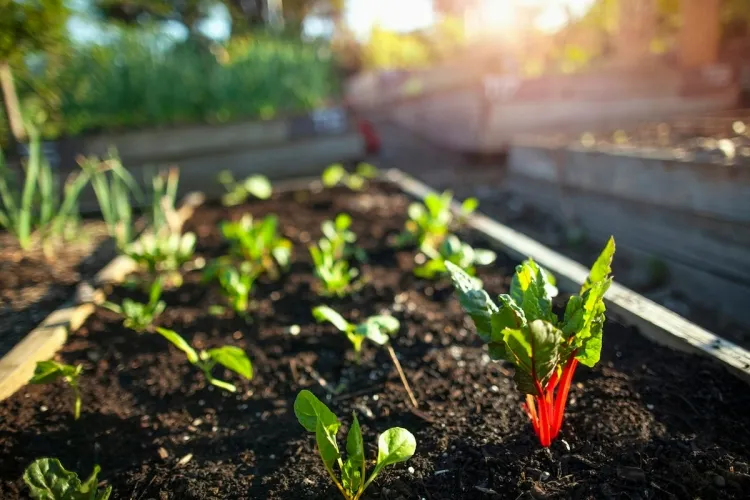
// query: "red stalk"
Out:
[562,394]
[544,416]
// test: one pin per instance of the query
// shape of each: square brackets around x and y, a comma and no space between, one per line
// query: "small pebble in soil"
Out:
[43,408]
[197,422]
[237,335]
[411,471]
[650,406]
[375,397]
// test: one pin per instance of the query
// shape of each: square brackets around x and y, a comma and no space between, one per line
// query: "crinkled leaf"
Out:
[232,358]
[529,289]
[535,352]
[509,315]
[179,343]
[47,479]
[309,410]
[259,186]
[474,300]
[352,472]
[325,313]
[394,445]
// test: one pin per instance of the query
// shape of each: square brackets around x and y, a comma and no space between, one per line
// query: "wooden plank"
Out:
[17,366]
[654,321]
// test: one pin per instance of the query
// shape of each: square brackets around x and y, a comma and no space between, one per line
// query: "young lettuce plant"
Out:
[236,285]
[342,238]
[47,479]
[376,329]
[525,331]
[138,316]
[259,243]
[230,357]
[394,445]
[47,372]
[337,174]
[163,252]
[456,252]
[335,275]
[238,192]
[430,223]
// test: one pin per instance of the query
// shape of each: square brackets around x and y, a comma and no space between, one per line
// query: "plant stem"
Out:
[562,394]
[401,374]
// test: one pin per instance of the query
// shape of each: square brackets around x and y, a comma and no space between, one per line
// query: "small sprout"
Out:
[394,445]
[375,328]
[525,331]
[335,275]
[342,238]
[47,479]
[431,222]
[137,316]
[238,192]
[236,285]
[337,174]
[47,372]
[259,243]
[162,252]
[456,252]
[230,357]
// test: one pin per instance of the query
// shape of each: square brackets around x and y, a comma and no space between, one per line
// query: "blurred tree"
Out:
[26,27]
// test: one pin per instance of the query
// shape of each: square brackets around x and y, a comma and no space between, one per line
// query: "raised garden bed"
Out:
[648,421]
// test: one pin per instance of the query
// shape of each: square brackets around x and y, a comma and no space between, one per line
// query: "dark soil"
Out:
[646,423]
[33,285]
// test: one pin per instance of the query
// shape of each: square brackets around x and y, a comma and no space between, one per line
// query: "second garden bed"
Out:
[648,422]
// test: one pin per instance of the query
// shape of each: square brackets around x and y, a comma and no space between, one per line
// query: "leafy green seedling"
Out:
[456,252]
[138,316]
[336,276]
[47,372]
[47,479]
[545,349]
[238,192]
[230,357]
[337,174]
[236,285]
[394,445]
[342,238]
[259,243]
[431,222]
[376,329]
[162,252]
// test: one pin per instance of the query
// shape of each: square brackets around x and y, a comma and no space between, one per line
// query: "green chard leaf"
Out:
[325,313]
[602,266]
[47,479]
[232,358]
[474,300]
[535,351]
[179,343]
[309,410]
[325,438]
[394,445]
[530,289]
[353,472]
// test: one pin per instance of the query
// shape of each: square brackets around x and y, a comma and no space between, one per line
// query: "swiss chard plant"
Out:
[230,357]
[376,329]
[47,372]
[342,239]
[356,181]
[430,222]
[335,275]
[236,285]
[394,445]
[238,192]
[163,252]
[137,316]
[456,252]
[259,243]
[545,349]
[47,479]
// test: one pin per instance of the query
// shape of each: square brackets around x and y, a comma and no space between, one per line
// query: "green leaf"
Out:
[535,352]
[325,437]
[333,175]
[529,289]
[47,479]
[430,269]
[343,222]
[233,358]
[395,445]
[309,410]
[352,474]
[483,257]
[377,328]
[602,267]
[469,205]
[179,343]
[367,170]
[416,211]
[259,186]
[49,371]
[474,300]
[325,313]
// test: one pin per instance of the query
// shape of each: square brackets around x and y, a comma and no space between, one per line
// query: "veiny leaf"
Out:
[325,313]
[474,300]
[179,343]
[535,352]
[529,289]
[602,267]
[309,410]
[234,359]
[395,445]
[47,479]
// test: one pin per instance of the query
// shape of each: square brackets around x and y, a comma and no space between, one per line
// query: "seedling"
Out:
[376,329]
[335,275]
[236,285]
[337,174]
[259,243]
[430,223]
[47,372]
[136,315]
[456,252]
[47,479]
[238,192]
[394,445]
[230,357]
[545,350]
[342,238]
[163,252]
